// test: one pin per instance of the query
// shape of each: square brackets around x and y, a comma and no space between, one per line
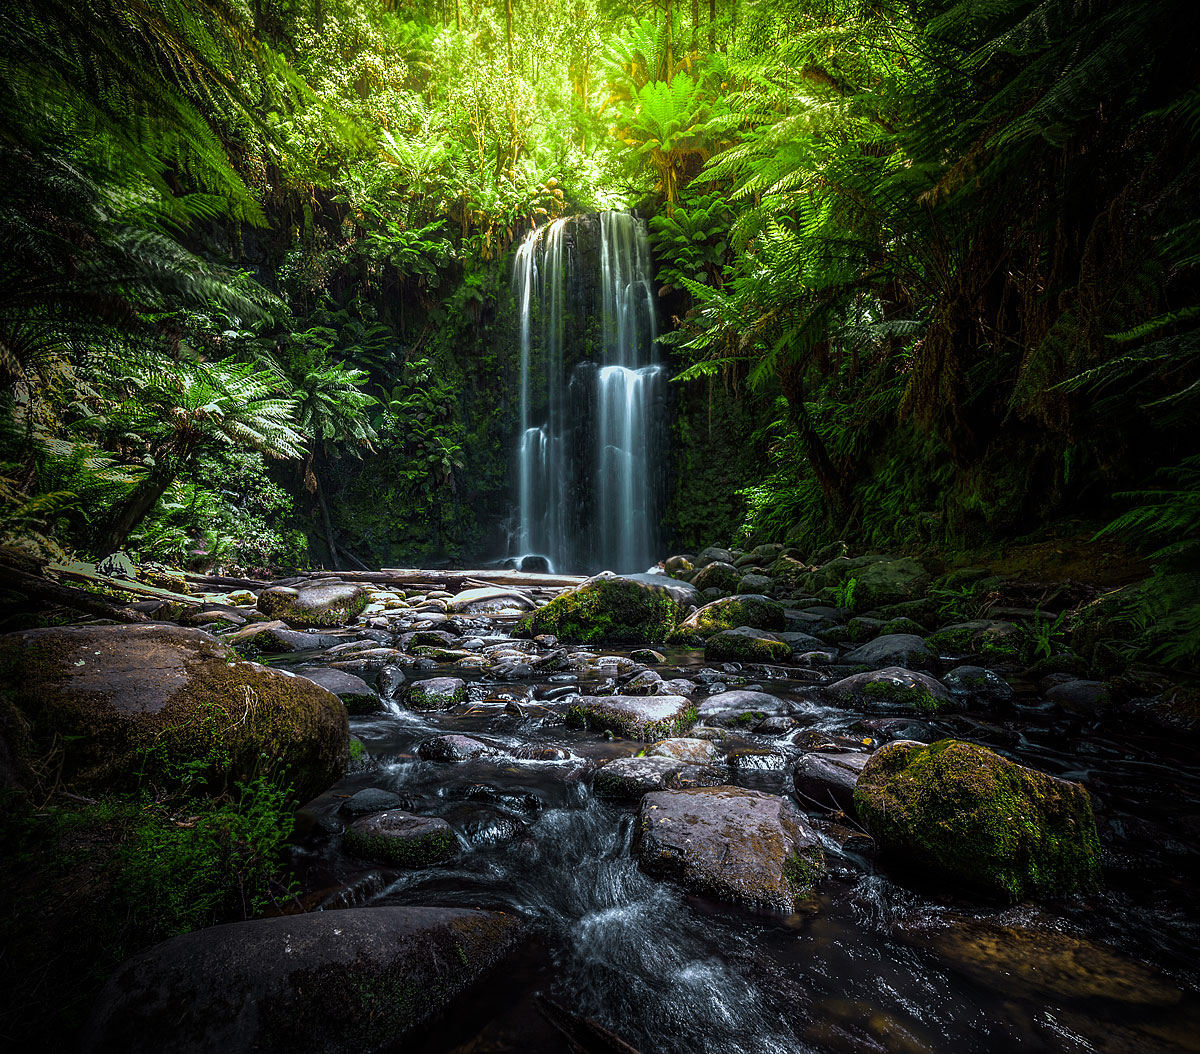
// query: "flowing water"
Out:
[591,435]
[867,964]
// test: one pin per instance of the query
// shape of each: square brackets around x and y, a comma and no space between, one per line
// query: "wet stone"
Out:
[978,685]
[356,695]
[827,780]
[638,717]
[630,778]
[698,751]
[895,688]
[456,748]
[401,839]
[436,693]
[373,800]
[893,649]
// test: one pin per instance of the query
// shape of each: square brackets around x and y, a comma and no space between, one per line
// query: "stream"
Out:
[867,964]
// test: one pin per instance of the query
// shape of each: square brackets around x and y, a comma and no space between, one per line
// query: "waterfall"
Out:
[590,440]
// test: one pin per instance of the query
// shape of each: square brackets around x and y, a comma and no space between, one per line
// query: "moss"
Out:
[420,699]
[915,695]
[744,647]
[981,820]
[607,610]
[435,847]
[729,613]
[600,718]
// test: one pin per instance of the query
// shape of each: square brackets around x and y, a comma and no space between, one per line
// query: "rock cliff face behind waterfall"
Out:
[589,454]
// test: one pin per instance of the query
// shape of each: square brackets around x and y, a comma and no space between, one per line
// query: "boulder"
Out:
[356,695]
[456,748]
[987,638]
[678,567]
[1080,697]
[274,638]
[137,703]
[961,811]
[713,554]
[610,608]
[697,751]
[316,604]
[372,800]
[893,649]
[718,575]
[755,585]
[746,645]
[637,717]
[760,556]
[730,843]
[742,708]
[895,688]
[754,610]
[436,693]
[488,599]
[401,839]
[322,982]
[878,580]
[627,779]
[828,779]
[978,686]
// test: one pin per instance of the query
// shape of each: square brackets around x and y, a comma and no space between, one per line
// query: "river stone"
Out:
[893,649]
[1079,697]
[987,638]
[678,567]
[637,717]
[730,843]
[895,688]
[745,644]
[356,695]
[753,610]
[644,683]
[130,705]
[274,637]
[648,656]
[322,983]
[315,604]
[713,554]
[962,811]
[697,751]
[878,580]
[401,839]
[828,779]
[762,555]
[436,693]
[488,599]
[717,575]
[755,585]
[372,800]
[609,608]
[630,778]
[456,748]
[979,685]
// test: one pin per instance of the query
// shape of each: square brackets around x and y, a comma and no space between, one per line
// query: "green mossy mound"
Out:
[115,707]
[717,575]
[979,820]
[315,606]
[607,610]
[746,645]
[401,839]
[754,610]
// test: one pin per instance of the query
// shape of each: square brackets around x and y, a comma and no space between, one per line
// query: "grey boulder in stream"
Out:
[320,983]
[730,843]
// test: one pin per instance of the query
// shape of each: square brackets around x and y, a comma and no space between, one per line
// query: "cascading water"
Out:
[591,431]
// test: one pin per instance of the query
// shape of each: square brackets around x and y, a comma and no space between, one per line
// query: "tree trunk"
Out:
[712,25]
[43,591]
[129,514]
[833,486]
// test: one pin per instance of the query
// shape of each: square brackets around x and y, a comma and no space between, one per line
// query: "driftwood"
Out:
[87,573]
[222,584]
[44,590]
[450,580]
[583,1034]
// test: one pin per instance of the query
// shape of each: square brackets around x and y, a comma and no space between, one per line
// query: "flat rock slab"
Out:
[401,839]
[733,844]
[638,717]
[828,779]
[630,778]
[321,983]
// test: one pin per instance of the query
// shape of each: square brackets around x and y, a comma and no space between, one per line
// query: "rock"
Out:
[893,649]
[719,575]
[986,638]
[322,982]
[878,580]
[978,685]
[697,751]
[740,707]
[679,567]
[314,604]
[627,779]
[638,717]
[713,554]
[456,748]
[436,693]
[733,844]
[790,569]
[648,656]
[756,585]
[401,839]
[828,779]
[124,705]
[389,681]
[746,645]
[610,608]
[761,555]
[753,610]
[274,637]
[644,683]
[1080,697]
[489,599]
[372,800]
[861,628]
[962,811]
[356,695]
[894,688]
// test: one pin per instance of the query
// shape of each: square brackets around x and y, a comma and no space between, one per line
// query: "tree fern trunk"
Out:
[833,485]
[126,516]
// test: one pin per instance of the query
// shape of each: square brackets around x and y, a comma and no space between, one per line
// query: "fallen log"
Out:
[404,576]
[79,572]
[45,591]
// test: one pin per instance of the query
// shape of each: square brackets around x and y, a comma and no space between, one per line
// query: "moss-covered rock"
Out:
[895,688]
[734,844]
[609,609]
[155,702]
[627,779]
[317,604]
[436,693]
[327,980]
[401,839]
[986,638]
[717,575]
[756,611]
[679,567]
[638,717]
[790,569]
[745,644]
[962,811]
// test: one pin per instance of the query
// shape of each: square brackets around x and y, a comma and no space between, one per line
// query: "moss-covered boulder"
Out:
[401,839]
[638,717]
[733,844]
[986,638]
[356,695]
[316,604]
[754,610]
[160,703]
[878,580]
[679,567]
[612,609]
[436,693]
[895,689]
[745,644]
[961,811]
[717,575]
[328,980]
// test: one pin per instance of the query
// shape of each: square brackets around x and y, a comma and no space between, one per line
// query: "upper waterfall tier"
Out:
[592,430]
